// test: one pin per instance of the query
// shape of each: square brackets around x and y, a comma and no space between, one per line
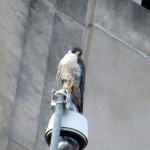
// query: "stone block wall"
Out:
[35,34]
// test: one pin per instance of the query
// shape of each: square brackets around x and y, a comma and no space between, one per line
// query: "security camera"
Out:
[74,131]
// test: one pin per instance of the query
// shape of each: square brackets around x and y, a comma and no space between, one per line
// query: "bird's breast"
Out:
[70,69]
[68,59]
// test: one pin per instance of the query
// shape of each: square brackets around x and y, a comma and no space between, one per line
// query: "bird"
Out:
[71,75]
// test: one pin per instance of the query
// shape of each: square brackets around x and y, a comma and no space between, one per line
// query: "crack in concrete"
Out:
[18,144]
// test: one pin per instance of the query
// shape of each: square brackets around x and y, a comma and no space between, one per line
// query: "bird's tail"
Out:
[77,97]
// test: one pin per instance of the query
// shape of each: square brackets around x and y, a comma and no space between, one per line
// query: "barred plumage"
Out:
[71,74]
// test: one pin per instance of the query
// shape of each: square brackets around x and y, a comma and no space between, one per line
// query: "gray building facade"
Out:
[115,37]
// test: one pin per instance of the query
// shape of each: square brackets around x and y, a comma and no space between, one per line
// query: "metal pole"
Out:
[57,123]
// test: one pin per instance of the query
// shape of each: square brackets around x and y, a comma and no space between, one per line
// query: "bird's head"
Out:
[76,50]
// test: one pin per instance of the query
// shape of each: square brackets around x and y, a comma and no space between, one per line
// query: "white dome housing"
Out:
[73,125]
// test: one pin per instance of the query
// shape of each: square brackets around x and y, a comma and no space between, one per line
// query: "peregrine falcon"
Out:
[71,74]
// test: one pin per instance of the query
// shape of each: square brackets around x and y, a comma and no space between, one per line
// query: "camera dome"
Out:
[74,125]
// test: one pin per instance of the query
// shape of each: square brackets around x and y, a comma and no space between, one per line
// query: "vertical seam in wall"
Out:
[90,28]
[44,85]
[18,76]
[87,50]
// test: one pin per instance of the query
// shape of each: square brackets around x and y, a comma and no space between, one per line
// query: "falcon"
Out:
[71,74]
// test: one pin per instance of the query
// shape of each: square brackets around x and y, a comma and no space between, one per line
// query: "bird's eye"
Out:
[74,51]
[77,51]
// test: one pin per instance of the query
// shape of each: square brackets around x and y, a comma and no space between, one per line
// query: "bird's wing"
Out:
[82,82]
[82,77]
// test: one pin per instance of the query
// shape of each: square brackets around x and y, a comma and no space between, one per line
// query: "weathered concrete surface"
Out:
[77,9]
[15,146]
[117,95]
[3,141]
[23,74]
[32,75]
[13,20]
[125,20]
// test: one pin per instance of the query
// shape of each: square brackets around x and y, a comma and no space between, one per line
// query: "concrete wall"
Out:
[117,97]
[115,35]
